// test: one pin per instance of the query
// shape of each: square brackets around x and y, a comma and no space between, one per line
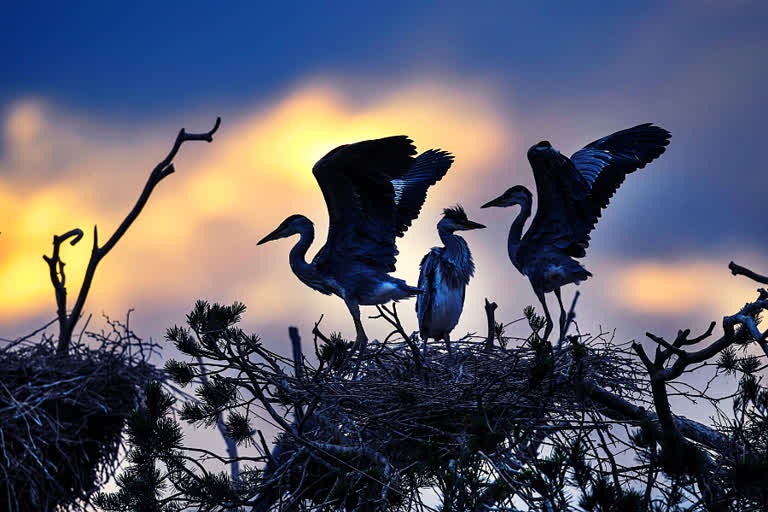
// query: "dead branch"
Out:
[490,313]
[738,270]
[67,322]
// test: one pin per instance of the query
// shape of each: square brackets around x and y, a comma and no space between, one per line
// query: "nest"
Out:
[61,417]
[402,423]
[451,400]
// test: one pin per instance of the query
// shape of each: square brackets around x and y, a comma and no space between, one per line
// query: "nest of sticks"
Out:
[370,429]
[402,420]
[61,417]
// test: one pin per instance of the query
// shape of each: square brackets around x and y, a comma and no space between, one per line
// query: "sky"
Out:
[92,95]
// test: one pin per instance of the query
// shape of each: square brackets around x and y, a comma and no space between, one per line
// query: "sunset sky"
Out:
[91,97]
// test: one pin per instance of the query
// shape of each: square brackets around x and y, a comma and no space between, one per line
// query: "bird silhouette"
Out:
[571,194]
[373,190]
[445,273]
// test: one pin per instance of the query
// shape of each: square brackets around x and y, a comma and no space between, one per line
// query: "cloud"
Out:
[676,288]
[196,237]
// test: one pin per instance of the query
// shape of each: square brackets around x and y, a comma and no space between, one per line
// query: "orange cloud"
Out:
[196,237]
[678,288]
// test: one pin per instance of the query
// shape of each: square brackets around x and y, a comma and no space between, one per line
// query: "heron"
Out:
[571,194]
[374,190]
[444,275]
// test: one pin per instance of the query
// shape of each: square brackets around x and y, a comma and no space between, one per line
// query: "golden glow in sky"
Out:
[197,236]
[224,196]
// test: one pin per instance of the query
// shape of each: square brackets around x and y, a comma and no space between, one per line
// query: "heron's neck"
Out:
[516,231]
[451,241]
[305,271]
[457,252]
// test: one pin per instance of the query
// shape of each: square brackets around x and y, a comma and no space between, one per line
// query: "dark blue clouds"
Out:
[148,57]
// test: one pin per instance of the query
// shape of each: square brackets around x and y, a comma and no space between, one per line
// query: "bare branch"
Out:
[738,270]
[58,278]
[490,313]
[571,312]
[67,322]
[643,356]
[744,318]
[664,343]
[394,320]
[298,357]
[618,408]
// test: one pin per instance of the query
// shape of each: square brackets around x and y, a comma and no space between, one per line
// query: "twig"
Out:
[490,313]
[298,367]
[571,313]
[298,358]
[392,318]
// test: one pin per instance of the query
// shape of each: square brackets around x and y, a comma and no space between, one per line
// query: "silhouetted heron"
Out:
[373,190]
[571,194]
[445,273]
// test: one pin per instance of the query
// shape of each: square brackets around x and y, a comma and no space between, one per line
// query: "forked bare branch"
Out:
[67,321]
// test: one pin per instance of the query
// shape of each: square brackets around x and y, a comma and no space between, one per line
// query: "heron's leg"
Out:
[550,323]
[562,313]
[447,339]
[361,340]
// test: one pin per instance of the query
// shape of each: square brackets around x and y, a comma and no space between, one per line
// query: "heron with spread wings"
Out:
[373,190]
[571,194]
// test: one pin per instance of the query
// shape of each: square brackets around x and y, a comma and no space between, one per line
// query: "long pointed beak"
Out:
[473,225]
[494,202]
[272,236]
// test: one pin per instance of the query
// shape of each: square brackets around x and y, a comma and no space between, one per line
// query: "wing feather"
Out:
[563,213]
[572,192]
[411,189]
[373,190]
[428,267]
[605,163]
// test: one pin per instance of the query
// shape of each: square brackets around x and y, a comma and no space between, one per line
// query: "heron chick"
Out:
[373,189]
[571,194]
[445,273]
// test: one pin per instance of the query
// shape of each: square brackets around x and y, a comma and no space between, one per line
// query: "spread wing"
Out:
[564,215]
[411,189]
[356,181]
[605,163]
[573,192]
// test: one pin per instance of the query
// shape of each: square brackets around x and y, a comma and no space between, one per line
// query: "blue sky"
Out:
[114,81]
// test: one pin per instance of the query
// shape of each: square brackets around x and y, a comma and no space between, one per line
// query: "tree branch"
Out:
[58,277]
[490,313]
[738,270]
[394,320]
[67,322]
[744,318]
[620,409]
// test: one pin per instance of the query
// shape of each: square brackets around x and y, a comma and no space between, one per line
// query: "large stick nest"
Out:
[454,399]
[61,417]
[400,423]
